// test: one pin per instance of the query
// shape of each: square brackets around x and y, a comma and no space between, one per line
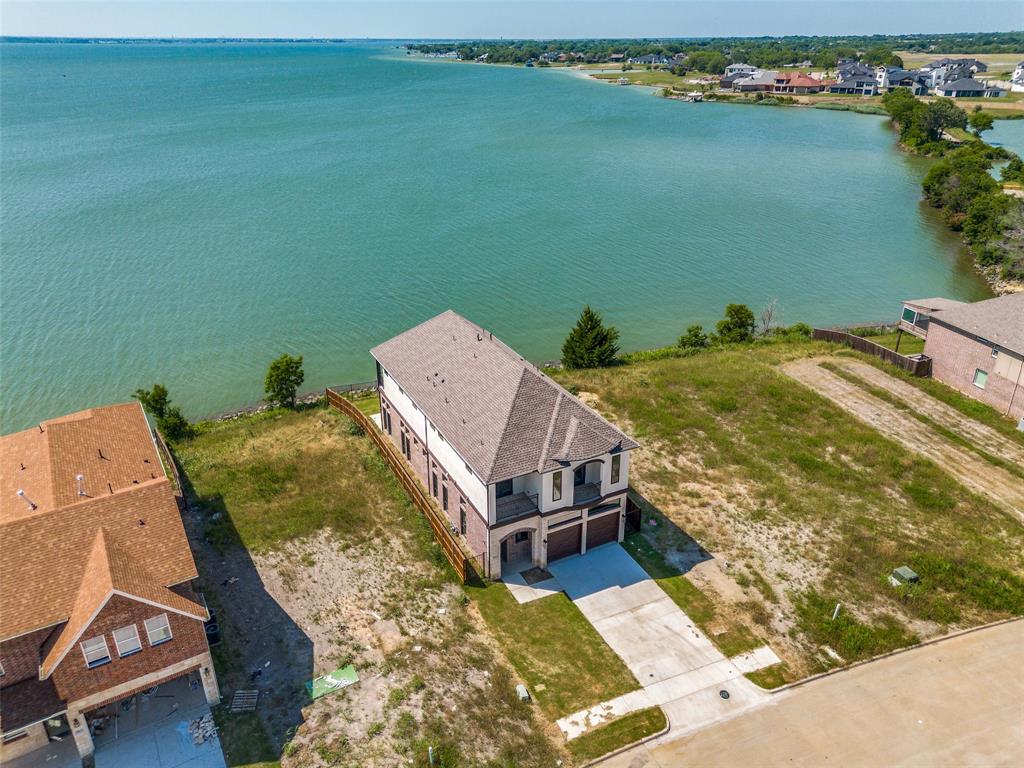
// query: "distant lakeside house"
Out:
[522,469]
[969,88]
[96,596]
[977,348]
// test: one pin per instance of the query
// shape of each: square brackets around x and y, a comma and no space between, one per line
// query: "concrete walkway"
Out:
[679,668]
[958,702]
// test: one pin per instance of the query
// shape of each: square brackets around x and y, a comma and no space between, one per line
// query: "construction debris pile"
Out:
[202,728]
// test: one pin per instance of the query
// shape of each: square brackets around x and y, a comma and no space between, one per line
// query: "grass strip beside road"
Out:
[564,662]
[618,733]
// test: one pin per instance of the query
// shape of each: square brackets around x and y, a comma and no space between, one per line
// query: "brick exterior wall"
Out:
[423,464]
[20,656]
[74,680]
[956,356]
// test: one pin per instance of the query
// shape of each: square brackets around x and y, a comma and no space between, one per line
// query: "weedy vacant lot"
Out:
[803,507]
[312,559]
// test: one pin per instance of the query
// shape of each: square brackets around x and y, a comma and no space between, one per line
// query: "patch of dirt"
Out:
[984,437]
[428,670]
[971,470]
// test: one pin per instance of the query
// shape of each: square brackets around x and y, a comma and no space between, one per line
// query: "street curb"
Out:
[637,743]
[888,654]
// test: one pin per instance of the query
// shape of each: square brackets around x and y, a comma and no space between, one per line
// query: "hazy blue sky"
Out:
[502,18]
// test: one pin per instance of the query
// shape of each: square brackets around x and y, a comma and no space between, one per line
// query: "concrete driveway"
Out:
[958,702]
[679,668]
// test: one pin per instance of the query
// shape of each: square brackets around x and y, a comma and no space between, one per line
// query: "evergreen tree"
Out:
[590,344]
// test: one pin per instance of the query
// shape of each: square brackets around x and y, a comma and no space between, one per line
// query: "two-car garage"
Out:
[567,539]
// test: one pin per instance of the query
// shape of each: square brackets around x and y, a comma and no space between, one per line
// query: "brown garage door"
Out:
[563,542]
[601,530]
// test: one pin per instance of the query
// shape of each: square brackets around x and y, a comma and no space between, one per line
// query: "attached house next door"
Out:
[603,529]
[563,542]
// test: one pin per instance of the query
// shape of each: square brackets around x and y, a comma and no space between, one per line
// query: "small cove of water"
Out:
[184,214]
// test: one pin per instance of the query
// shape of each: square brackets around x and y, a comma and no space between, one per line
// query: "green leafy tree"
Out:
[154,400]
[173,425]
[169,419]
[943,114]
[590,344]
[980,122]
[283,379]
[738,324]
[694,338]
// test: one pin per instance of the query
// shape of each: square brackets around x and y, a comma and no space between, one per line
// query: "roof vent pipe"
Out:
[31,504]
[81,484]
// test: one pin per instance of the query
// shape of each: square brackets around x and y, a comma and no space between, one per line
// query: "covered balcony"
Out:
[585,492]
[515,505]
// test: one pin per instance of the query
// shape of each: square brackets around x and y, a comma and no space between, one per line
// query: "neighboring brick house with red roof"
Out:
[96,601]
[977,348]
[525,471]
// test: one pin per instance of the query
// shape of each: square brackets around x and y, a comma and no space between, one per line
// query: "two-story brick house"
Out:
[96,601]
[977,348]
[523,469]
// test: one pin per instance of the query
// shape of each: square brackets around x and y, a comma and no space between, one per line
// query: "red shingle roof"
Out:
[51,569]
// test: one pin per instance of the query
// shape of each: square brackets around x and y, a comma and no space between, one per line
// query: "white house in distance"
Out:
[523,470]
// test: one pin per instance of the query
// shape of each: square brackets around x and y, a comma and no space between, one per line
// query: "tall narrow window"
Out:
[556,486]
[95,651]
[616,467]
[127,640]
[462,517]
[434,481]
[444,498]
[159,629]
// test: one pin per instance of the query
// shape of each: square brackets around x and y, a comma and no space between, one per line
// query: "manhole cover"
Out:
[723,693]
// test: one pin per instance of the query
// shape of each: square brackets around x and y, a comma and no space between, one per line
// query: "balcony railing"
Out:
[581,494]
[515,505]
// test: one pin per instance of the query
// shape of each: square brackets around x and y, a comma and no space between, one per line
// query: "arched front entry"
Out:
[517,551]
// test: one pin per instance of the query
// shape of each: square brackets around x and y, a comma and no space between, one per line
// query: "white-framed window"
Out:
[980,378]
[95,651]
[127,640]
[158,629]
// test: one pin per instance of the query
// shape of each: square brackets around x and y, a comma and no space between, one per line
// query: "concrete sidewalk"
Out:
[679,668]
[959,702]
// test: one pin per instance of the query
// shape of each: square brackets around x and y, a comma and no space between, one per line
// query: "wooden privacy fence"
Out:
[438,524]
[919,365]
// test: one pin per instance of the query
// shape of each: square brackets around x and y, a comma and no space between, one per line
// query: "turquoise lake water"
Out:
[1008,133]
[184,214]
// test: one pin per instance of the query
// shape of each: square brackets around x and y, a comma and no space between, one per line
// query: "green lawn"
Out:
[563,661]
[657,77]
[909,344]
[618,733]
[867,505]
[283,474]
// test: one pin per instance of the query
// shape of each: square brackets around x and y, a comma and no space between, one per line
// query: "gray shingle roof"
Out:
[999,320]
[965,84]
[500,413]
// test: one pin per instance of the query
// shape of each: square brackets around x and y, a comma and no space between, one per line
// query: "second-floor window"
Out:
[444,498]
[556,486]
[502,489]
[95,651]
[158,629]
[616,467]
[127,640]
[434,480]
